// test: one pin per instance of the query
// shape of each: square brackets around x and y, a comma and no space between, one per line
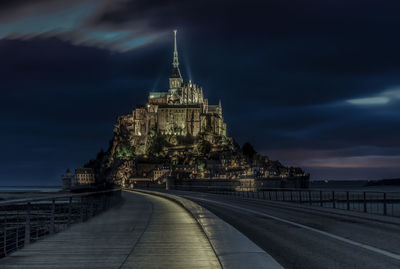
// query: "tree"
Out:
[204,147]
[248,151]
[157,145]
[125,150]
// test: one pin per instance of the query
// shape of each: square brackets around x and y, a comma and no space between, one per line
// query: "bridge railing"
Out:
[25,221]
[374,202]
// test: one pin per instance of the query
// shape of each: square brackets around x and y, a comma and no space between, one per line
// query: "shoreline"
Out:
[15,193]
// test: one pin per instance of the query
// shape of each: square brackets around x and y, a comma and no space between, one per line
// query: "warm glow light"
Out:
[355,162]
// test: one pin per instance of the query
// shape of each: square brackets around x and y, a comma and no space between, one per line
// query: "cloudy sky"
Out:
[312,83]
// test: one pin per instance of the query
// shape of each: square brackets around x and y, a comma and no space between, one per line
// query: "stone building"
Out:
[181,111]
[67,180]
[160,174]
[85,176]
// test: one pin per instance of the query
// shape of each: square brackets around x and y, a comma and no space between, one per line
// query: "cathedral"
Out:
[180,111]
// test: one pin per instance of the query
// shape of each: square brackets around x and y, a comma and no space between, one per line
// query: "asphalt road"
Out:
[309,238]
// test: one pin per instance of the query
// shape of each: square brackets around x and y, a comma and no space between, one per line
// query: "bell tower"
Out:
[175,81]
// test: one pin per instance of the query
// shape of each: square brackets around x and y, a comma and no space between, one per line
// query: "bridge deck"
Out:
[144,232]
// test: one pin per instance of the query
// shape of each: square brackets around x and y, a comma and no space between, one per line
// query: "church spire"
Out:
[175,81]
[175,63]
[176,73]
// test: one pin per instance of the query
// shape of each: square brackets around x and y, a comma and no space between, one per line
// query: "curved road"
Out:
[302,237]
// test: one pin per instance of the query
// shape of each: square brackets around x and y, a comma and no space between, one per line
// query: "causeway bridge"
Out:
[192,229]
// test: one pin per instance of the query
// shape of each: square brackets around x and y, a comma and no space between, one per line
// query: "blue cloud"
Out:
[383,99]
[71,22]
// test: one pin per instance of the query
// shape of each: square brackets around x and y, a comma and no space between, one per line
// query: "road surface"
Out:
[304,237]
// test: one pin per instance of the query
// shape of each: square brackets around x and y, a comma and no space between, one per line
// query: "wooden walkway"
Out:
[144,232]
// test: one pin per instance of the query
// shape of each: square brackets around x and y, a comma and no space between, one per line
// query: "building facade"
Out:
[85,176]
[67,180]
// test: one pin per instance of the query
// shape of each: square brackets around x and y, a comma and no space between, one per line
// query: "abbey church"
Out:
[180,111]
[177,135]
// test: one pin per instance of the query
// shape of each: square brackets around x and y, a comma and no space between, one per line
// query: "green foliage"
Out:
[201,164]
[125,151]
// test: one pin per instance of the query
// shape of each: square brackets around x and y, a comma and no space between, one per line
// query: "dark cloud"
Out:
[5,4]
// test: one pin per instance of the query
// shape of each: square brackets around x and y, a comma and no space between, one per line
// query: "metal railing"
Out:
[25,221]
[374,202]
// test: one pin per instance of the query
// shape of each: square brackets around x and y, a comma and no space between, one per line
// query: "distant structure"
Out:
[67,180]
[182,110]
[160,174]
[85,176]
[178,136]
